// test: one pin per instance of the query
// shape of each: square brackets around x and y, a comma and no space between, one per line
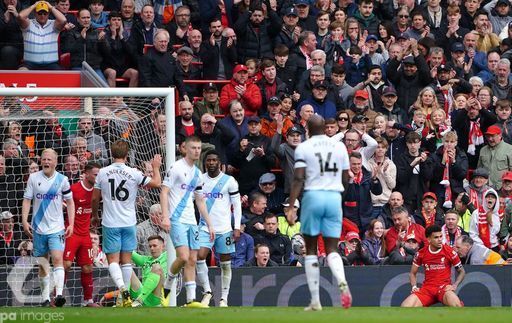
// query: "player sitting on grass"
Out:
[438,259]
[150,291]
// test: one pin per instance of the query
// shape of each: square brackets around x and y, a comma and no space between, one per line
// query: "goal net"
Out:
[80,125]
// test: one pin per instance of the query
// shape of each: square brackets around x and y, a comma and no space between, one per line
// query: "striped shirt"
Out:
[41,43]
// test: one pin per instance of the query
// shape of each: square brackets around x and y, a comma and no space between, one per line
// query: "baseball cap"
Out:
[493,130]
[429,195]
[267,178]
[294,129]
[185,49]
[411,237]
[444,68]
[287,203]
[507,176]
[389,90]
[371,37]
[211,86]
[409,60]
[502,2]
[239,68]
[291,12]
[361,94]
[301,2]
[352,235]
[253,119]
[274,100]
[359,118]
[402,36]
[482,172]
[458,47]
[320,84]
[5,215]
[41,6]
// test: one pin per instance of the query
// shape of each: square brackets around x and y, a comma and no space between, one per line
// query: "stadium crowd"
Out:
[418,91]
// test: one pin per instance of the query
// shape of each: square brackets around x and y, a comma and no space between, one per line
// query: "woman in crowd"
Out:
[374,243]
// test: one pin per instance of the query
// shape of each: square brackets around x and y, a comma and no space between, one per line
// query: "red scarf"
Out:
[446,183]
[429,218]
[475,137]
[473,198]
[7,238]
[484,230]
[446,235]
[358,178]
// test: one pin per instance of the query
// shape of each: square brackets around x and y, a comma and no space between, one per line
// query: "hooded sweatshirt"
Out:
[478,222]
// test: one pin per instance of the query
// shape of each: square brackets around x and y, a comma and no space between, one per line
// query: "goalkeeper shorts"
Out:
[151,301]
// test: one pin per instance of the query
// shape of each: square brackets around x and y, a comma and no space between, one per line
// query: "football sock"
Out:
[336,265]
[116,274]
[202,276]
[190,287]
[225,269]
[58,275]
[150,283]
[45,287]
[87,285]
[168,282]
[126,269]
[313,277]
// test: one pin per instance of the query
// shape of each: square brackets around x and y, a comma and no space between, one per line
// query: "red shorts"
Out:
[429,295]
[79,246]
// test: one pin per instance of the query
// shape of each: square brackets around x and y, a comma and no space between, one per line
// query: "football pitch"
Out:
[255,314]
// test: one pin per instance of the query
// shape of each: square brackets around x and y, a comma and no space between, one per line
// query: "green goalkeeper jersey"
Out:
[145,263]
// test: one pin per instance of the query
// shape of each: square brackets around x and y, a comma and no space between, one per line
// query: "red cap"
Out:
[411,237]
[429,194]
[352,235]
[240,68]
[493,130]
[507,176]
[361,94]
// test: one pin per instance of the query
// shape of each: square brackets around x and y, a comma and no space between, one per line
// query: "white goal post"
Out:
[88,95]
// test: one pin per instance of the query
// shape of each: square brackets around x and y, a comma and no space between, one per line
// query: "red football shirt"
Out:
[82,198]
[438,265]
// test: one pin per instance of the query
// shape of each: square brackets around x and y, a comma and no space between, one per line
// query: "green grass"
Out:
[266,315]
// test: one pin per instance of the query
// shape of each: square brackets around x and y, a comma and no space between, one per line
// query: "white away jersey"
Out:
[47,194]
[220,193]
[325,160]
[119,185]
[183,181]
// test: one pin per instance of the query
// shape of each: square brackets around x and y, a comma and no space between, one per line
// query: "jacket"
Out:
[373,247]
[157,69]
[387,179]
[474,232]
[416,229]
[496,160]
[325,108]
[401,256]
[357,201]
[286,155]
[244,250]
[211,63]
[279,245]
[138,36]
[419,219]
[251,100]
[458,171]
[370,24]
[91,49]
[239,131]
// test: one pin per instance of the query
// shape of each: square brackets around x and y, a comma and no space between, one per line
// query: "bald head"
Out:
[316,125]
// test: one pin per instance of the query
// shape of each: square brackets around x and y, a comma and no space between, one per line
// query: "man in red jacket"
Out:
[396,236]
[238,88]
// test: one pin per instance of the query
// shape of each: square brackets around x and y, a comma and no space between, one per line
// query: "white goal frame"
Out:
[170,128]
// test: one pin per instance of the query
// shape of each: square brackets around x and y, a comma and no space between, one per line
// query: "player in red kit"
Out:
[438,259]
[79,245]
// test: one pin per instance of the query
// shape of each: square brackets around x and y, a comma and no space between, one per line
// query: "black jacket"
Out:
[458,171]
[120,54]
[91,49]
[279,245]
[138,36]
[157,69]
[401,256]
[211,60]
[419,219]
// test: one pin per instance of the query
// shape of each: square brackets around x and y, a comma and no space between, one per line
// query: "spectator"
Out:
[498,14]
[506,222]
[414,169]
[286,152]
[98,256]
[389,107]
[305,112]
[340,85]
[179,27]
[450,163]
[301,56]
[255,213]
[488,75]
[315,74]
[306,17]
[50,133]
[472,253]
[11,41]
[289,230]
[270,85]
[361,107]
[495,156]
[397,144]
[485,222]
[261,257]
[395,200]
[254,157]
[429,214]
[506,253]
[195,42]
[475,59]
[40,36]
[128,16]
[150,227]
[451,231]
[402,227]
[404,254]
[419,27]
[144,31]
[319,100]
[63,6]
[503,113]
[501,85]
[9,239]
[299,250]
[185,70]
[95,143]
[357,206]
[357,65]
[322,23]
[353,139]
[244,247]
[186,124]
[273,193]
[72,169]
[280,246]
[286,69]
[274,118]
[216,134]
[384,170]
[78,148]
[367,18]
[464,208]
[99,18]
[209,102]
[452,31]
[237,122]
[290,31]
[157,67]
[486,39]
[352,251]
[255,32]
[374,243]
[221,52]
[331,127]
[239,88]
[120,61]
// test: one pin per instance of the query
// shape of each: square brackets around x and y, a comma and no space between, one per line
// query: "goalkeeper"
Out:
[150,291]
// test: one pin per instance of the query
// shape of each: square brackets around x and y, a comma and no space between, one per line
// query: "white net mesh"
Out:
[81,130]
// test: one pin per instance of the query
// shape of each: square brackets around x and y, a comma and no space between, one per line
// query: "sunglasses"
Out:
[403,16]
[342,119]
[267,184]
